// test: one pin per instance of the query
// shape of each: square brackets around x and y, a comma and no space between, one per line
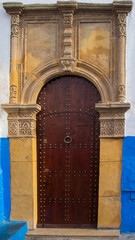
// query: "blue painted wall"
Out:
[128,186]
[5,200]
[1,190]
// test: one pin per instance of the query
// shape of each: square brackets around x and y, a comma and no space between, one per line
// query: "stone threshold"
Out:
[76,233]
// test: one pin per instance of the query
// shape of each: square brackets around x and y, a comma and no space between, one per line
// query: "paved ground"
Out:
[122,237]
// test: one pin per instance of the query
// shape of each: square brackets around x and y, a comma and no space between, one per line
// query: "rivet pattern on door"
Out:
[68,153]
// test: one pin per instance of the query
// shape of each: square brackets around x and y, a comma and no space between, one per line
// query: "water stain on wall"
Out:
[95,44]
[41,45]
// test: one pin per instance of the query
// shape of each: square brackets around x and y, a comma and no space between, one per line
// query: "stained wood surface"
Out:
[68,153]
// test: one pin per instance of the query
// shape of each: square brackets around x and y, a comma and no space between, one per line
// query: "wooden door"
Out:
[68,153]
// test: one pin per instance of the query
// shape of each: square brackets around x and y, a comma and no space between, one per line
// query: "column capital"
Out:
[21,119]
[112,119]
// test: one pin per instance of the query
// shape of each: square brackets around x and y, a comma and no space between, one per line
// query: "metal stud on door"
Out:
[68,153]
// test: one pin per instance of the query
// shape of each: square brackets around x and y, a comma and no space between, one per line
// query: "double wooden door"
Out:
[68,153]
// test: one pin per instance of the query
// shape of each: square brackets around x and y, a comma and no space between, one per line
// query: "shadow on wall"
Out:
[128,186]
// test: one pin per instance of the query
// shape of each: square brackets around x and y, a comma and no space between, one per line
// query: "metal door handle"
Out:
[68,139]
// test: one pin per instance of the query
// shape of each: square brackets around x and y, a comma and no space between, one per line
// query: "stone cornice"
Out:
[10,108]
[13,7]
[122,6]
[101,107]
[67,6]
[117,6]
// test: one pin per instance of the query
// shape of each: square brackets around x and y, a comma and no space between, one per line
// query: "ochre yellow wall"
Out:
[109,208]
[24,180]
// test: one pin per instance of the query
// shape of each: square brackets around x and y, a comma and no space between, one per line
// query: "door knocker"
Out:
[68,139]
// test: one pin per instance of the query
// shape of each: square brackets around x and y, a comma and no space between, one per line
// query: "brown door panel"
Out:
[68,153]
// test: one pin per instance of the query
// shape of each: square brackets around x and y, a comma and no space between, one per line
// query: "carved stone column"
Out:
[15,11]
[121,9]
[67,61]
[21,119]
[112,119]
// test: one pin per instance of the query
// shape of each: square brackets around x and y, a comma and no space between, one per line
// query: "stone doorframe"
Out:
[24,90]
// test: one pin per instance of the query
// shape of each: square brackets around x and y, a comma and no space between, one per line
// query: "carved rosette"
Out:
[112,119]
[21,119]
[122,24]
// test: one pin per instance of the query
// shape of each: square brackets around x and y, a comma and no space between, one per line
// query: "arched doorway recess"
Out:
[68,153]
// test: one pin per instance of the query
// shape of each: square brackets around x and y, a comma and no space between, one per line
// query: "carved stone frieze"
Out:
[106,128]
[15,25]
[13,129]
[27,127]
[119,127]
[21,119]
[112,118]
[121,24]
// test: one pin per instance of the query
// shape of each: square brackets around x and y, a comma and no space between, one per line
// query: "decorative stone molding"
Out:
[121,10]
[21,119]
[41,76]
[15,10]
[13,92]
[121,91]
[67,62]
[112,118]
[122,24]
[15,25]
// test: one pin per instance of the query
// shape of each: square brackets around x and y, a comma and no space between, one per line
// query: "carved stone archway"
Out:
[53,70]
[65,32]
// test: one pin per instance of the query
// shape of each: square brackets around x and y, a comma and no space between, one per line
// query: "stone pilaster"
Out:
[121,10]
[67,61]
[15,10]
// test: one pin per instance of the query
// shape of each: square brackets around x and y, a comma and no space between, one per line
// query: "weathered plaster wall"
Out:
[95,44]
[41,47]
